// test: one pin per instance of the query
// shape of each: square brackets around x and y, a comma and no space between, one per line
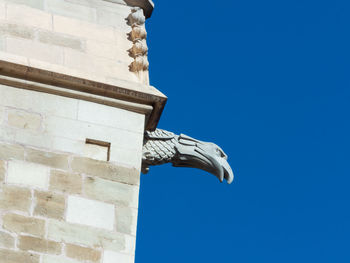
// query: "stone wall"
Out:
[83,37]
[63,124]
[74,104]
[65,208]
[61,200]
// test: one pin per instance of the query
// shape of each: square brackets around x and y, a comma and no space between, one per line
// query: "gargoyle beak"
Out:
[202,155]
[228,173]
[218,166]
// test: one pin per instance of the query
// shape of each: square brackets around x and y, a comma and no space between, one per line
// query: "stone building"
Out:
[75,100]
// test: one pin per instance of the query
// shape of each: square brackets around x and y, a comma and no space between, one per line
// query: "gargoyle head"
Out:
[202,155]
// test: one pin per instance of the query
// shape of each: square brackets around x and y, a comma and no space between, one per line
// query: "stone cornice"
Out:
[131,96]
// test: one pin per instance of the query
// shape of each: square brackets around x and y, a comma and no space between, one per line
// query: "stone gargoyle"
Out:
[162,146]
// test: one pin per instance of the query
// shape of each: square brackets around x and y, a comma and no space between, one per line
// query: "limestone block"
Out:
[110,116]
[69,9]
[83,253]
[10,256]
[2,170]
[114,16]
[15,30]
[92,64]
[6,240]
[7,134]
[126,220]
[90,212]
[87,236]
[24,120]
[106,170]
[29,174]
[8,151]
[37,139]
[49,205]
[115,51]
[44,103]
[15,198]
[113,257]
[66,182]
[113,192]
[83,29]
[2,10]
[2,113]
[79,130]
[67,145]
[32,3]
[32,17]
[39,245]
[33,49]
[47,158]
[2,48]
[22,224]
[126,157]
[62,40]
[57,259]
[96,152]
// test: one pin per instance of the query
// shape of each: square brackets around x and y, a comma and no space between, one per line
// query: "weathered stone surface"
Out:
[88,236]
[18,224]
[83,253]
[10,151]
[58,259]
[66,182]
[113,257]
[29,16]
[27,174]
[83,29]
[10,256]
[6,240]
[2,170]
[24,120]
[47,158]
[49,37]
[113,192]
[15,198]
[49,205]
[45,104]
[35,50]
[126,220]
[110,116]
[17,30]
[90,212]
[39,245]
[2,109]
[106,170]
[96,152]
[70,9]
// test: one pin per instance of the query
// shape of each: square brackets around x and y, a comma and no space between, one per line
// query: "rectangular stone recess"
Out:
[97,149]
[90,212]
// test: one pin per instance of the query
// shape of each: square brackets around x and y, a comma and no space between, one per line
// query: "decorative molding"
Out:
[126,95]
[138,35]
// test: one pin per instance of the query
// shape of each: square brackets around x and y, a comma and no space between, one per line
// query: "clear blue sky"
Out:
[269,82]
